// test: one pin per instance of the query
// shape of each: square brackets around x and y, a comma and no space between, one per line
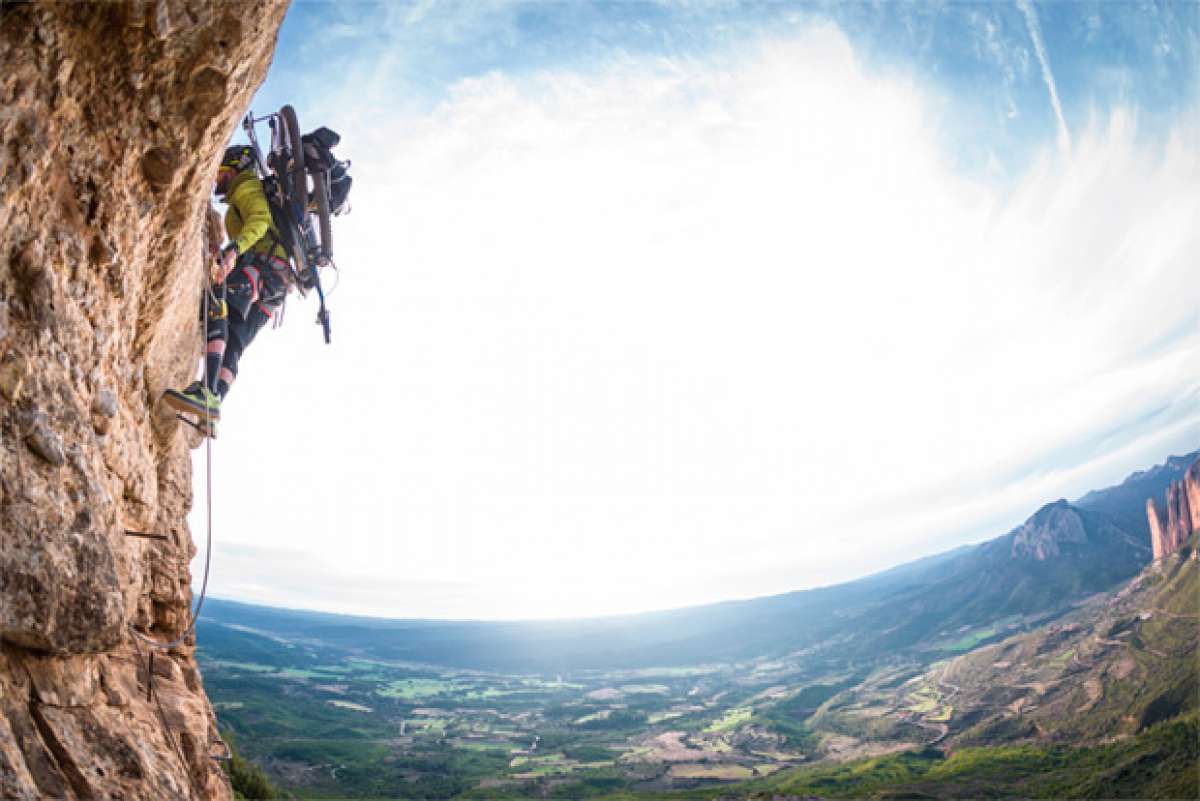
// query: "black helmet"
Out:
[238,157]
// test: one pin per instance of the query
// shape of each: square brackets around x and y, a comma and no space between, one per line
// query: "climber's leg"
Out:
[199,397]
[242,331]
[249,314]
[216,330]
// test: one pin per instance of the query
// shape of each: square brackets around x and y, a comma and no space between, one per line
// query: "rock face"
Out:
[1170,530]
[112,119]
[1042,536]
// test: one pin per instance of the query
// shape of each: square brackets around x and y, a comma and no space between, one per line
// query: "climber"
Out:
[248,285]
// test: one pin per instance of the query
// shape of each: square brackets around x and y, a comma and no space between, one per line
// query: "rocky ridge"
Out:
[1170,528]
[1042,536]
[112,118]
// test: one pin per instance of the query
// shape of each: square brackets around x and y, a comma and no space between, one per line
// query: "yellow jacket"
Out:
[248,218]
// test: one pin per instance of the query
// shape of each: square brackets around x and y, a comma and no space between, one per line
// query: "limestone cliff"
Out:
[1169,530]
[112,119]
[1044,534]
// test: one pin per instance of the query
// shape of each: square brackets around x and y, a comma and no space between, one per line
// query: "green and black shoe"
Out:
[197,399]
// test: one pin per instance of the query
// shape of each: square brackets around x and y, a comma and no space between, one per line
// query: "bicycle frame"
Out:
[248,125]
[281,160]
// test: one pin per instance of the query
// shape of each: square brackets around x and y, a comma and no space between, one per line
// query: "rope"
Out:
[207,291]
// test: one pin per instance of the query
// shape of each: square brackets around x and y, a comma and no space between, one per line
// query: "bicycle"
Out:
[295,205]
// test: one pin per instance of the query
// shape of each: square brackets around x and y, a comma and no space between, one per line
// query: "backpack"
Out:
[318,155]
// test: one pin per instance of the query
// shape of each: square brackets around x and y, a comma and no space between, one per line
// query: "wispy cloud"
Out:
[1035,34]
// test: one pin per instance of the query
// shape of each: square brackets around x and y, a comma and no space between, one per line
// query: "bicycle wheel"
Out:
[321,190]
[297,184]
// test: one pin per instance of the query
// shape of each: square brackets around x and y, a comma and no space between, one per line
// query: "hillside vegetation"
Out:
[1161,762]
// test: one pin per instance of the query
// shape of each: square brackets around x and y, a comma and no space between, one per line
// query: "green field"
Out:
[730,720]
[416,689]
[971,640]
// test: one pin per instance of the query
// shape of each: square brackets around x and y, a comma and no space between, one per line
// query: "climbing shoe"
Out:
[196,399]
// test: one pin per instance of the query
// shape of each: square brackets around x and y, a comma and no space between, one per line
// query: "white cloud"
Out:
[673,331]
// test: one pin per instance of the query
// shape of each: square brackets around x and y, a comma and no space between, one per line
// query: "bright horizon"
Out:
[299,607]
[651,305]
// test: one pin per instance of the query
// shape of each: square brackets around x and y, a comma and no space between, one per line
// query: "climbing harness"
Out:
[219,308]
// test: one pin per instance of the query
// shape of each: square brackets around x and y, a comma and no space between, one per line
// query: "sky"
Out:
[651,304]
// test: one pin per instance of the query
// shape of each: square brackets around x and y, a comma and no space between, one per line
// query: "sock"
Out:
[212,369]
[224,381]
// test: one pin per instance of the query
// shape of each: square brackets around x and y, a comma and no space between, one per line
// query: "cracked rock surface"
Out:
[112,120]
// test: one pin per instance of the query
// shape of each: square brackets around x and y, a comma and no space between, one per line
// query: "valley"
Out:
[333,724]
[328,723]
[900,680]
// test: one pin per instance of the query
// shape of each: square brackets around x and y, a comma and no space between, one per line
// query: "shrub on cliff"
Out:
[249,780]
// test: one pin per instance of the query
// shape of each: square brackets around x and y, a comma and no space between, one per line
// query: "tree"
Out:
[249,781]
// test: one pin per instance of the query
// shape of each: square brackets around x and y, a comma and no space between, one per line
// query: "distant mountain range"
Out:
[1126,502]
[1061,554]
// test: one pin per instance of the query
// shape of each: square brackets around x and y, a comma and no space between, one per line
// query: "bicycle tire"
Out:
[297,181]
[284,222]
[321,190]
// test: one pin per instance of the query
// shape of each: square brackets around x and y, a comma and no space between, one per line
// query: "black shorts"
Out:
[256,280]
